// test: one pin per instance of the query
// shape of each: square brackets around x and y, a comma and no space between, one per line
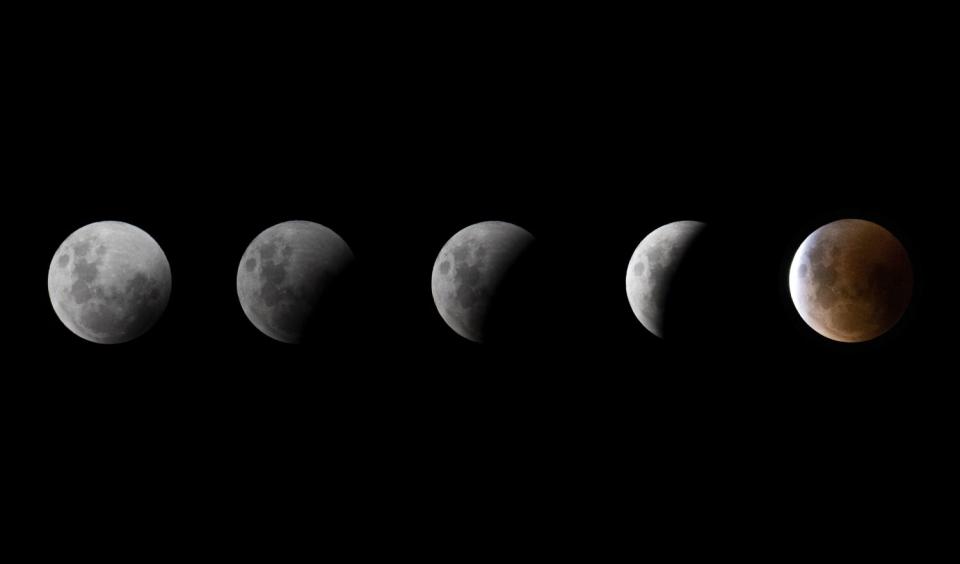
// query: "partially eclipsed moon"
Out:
[851,280]
[652,268]
[285,272]
[469,271]
[109,282]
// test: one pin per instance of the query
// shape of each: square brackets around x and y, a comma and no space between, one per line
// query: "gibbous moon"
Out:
[285,273]
[109,282]
[470,270]
[851,280]
[652,268]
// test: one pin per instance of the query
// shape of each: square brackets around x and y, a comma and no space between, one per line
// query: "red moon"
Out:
[851,280]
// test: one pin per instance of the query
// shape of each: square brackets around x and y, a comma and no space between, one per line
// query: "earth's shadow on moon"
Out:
[334,318]
[518,314]
[704,299]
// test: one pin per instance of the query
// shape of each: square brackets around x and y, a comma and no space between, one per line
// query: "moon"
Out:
[109,282]
[284,274]
[470,269]
[652,267]
[851,280]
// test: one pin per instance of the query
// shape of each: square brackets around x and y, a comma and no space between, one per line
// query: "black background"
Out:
[396,137]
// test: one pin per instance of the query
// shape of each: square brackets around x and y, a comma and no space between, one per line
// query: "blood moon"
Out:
[851,280]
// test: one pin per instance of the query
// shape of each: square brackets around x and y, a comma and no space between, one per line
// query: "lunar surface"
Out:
[469,271]
[851,280]
[652,268]
[109,282]
[285,273]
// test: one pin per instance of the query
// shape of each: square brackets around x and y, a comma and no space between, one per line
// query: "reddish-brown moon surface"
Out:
[851,280]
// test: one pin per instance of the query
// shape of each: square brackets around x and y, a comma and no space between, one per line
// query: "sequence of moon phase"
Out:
[109,282]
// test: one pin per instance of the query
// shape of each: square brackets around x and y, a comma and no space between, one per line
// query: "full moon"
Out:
[109,282]
[470,270]
[652,267]
[285,273]
[851,280]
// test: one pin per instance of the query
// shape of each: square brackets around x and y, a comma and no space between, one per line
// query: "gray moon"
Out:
[851,280]
[285,272]
[652,267]
[109,282]
[469,270]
